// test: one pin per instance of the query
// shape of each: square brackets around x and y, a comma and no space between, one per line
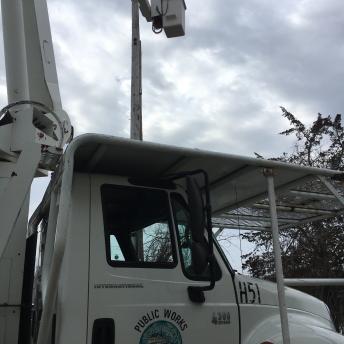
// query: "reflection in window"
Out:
[116,252]
[157,243]
[182,219]
[137,226]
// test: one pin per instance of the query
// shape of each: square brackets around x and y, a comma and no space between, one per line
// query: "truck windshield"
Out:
[137,223]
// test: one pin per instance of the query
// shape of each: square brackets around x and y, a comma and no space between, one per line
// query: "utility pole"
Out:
[136,97]
[171,20]
[136,75]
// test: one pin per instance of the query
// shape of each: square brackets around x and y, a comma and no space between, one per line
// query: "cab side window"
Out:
[138,231]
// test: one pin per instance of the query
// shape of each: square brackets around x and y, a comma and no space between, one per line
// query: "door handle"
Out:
[103,331]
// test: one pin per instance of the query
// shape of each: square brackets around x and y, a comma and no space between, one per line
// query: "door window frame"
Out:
[107,233]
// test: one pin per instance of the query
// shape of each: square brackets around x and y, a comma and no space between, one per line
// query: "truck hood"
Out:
[267,292]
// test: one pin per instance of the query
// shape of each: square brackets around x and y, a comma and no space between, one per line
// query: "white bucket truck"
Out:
[79,274]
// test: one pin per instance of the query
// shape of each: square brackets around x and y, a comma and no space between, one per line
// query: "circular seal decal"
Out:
[161,332]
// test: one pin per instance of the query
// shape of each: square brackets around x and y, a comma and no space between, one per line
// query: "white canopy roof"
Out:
[237,183]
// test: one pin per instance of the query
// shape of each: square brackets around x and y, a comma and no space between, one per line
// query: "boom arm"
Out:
[29,56]
[33,131]
[145,8]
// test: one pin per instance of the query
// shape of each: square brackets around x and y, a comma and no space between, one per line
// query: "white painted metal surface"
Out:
[314,282]
[16,191]
[41,67]
[173,16]
[11,274]
[32,136]
[119,155]
[14,49]
[315,198]
[269,173]
[309,319]
[163,291]
[59,247]
[31,78]
[145,8]
[72,286]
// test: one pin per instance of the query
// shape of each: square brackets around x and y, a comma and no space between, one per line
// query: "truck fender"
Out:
[304,328]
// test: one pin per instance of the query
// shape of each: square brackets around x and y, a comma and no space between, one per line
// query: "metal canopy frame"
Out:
[310,199]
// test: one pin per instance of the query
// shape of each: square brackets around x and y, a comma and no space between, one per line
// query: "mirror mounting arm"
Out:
[196,293]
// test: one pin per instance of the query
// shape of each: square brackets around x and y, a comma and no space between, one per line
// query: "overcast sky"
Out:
[218,88]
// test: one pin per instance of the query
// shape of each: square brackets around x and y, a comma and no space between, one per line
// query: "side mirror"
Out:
[199,248]
[202,252]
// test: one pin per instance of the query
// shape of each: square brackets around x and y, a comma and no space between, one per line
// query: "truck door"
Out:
[139,277]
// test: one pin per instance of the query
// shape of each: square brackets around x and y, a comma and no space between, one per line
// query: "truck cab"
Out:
[121,260]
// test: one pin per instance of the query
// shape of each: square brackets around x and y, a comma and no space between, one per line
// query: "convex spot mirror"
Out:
[199,247]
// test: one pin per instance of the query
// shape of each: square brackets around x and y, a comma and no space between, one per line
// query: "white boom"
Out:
[33,131]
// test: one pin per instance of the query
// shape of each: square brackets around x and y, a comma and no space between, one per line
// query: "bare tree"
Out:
[310,250]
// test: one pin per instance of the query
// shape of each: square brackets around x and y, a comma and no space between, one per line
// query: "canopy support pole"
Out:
[268,173]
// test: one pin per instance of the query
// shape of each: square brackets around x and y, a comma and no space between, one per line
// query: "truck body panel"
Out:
[143,301]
